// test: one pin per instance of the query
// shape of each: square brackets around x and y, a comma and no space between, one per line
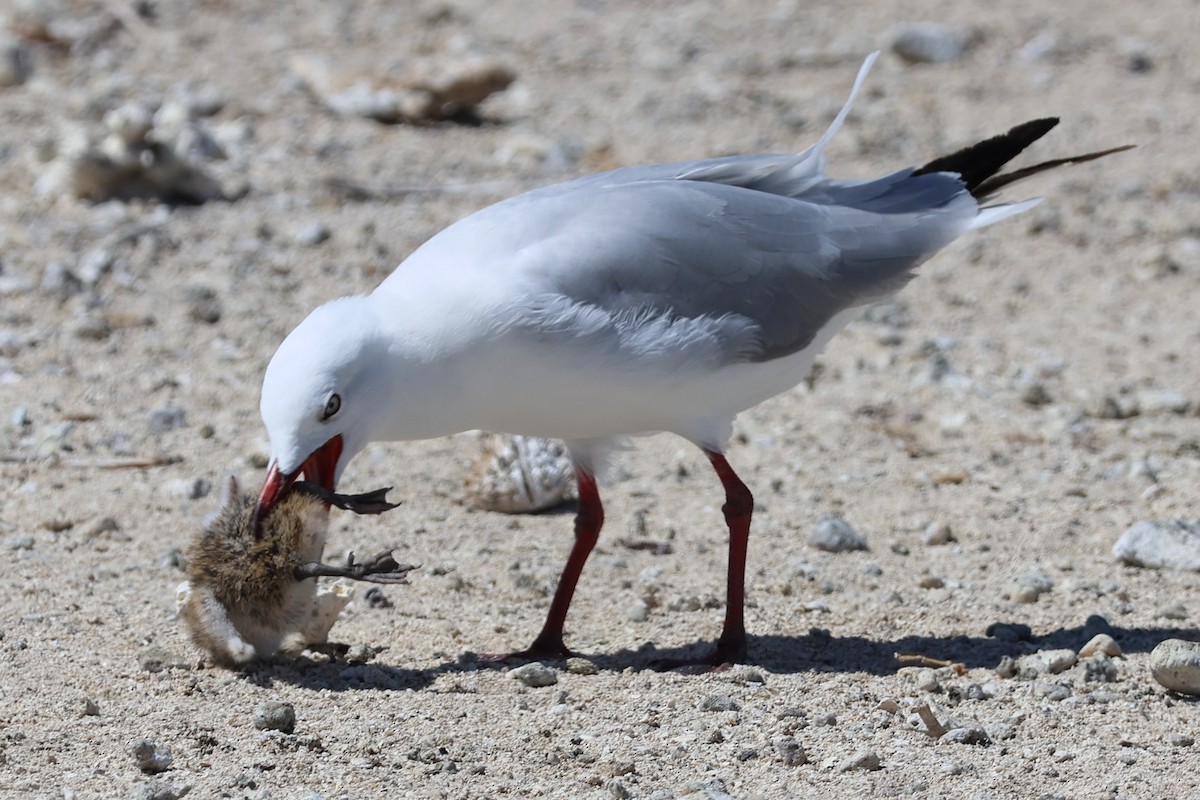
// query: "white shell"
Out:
[327,608]
[520,475]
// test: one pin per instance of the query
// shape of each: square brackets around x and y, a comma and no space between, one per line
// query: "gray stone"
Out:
[272,715]
[965,735]
[1162,401]
[534,674]
[937,533]
[1169,543]
[929,43]
[313,234]
[97,527]
[835,535]
[1098,667]
[790,752]
[157,659]
[1175,664]
[719,702]
[581,666]
[20,542]
[149,757]
[1010,631]
[862,760]
[1100,643]
[16,61]
[1029,587]
[1057,660]
[1054,692]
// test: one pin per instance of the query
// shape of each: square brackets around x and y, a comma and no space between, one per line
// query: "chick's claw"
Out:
[382,568]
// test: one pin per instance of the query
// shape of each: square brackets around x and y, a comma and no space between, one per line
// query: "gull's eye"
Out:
[332,406]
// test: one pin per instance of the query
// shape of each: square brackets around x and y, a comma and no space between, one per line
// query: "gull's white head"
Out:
[320,396]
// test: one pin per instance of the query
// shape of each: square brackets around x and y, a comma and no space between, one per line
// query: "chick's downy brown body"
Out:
[248,595]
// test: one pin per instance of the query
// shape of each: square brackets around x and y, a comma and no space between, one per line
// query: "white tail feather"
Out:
[989,214]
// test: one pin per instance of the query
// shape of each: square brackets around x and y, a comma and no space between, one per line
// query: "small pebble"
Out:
[937,533]
[189,488]
[1029,587]
[1175,664]
[965,735]
[1010,631]
[272,715]
[835,535]
[1182,740]
[534,674]
[1055,692]
[100,528]
[790,752]
[90,708]
[581,666]
[16,62]
[92,327]
[744,674]
[618,790]
[313,234]
[1099,668]
[155,790]
[927,681]
[862,760]
[166,419]
[360,653]
[1176,611]
[20,542]
[1057,661]
[719,702]
[376,598]
[149,757]
[202,304]
[928,43]
[1001,731]
[638,611]
[1100,643]
[60,281]
[156,659]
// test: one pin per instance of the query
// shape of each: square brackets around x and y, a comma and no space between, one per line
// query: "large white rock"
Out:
[1175,664]
[1171,543]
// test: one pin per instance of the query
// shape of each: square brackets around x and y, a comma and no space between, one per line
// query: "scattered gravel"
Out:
[990,400]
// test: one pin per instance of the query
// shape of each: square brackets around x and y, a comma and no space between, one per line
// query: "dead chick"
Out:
[247,596]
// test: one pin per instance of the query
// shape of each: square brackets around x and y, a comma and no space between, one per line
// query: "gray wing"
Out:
[778,266]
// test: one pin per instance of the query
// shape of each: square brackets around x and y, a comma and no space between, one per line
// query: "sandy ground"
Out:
[927,410]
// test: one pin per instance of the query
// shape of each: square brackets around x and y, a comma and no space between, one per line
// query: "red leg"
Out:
[588,520]
[739,505]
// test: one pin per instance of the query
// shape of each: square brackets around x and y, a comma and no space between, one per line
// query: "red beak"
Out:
[320,468]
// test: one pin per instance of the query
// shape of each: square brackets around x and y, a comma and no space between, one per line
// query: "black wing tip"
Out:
[977,163]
